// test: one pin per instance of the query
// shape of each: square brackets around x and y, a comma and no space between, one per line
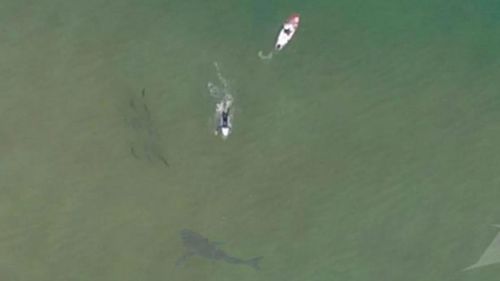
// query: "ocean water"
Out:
[366,150]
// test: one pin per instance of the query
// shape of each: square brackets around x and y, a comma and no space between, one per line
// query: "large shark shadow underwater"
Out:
[197,245]
[146,141]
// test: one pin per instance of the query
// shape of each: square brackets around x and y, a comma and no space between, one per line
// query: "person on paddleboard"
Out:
[286,34]
[224,125]
[288,30]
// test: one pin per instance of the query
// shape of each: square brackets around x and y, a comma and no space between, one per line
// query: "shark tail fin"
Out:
[254,262]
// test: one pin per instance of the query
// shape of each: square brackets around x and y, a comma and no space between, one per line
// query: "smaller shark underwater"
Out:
[197,245]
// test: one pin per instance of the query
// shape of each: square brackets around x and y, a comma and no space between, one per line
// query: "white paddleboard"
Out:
[287,31]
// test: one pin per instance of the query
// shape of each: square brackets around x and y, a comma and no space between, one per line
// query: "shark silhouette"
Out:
[197,245]
[148,142]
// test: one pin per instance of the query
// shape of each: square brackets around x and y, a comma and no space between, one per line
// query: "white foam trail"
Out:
[224,90]
[222,79]
[265,57]
[221,91]
[214,90]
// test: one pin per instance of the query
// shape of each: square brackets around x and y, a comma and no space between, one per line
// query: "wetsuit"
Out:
[225,119]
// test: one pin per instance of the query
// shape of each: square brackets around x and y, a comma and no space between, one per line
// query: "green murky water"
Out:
[366,150]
